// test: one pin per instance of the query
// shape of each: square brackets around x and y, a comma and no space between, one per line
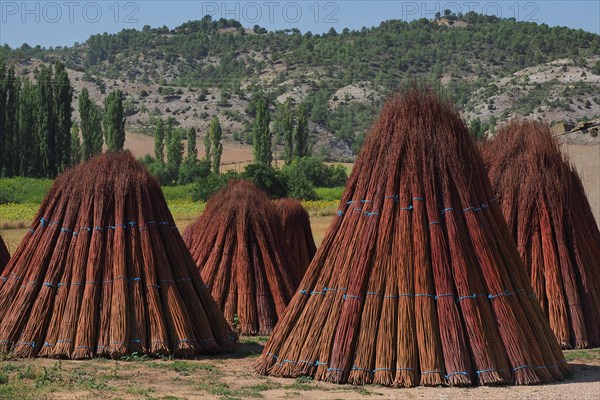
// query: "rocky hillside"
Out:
[492,67]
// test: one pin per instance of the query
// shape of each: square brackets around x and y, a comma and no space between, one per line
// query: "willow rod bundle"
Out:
[104,272]
[298,233]
[240,249]
[549,215]
[418,280]
[4,255]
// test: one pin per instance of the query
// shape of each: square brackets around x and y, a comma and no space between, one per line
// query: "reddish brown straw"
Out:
[418,281]
[240,249]
[550,217]
[298,234]
[104,271]
[4,255]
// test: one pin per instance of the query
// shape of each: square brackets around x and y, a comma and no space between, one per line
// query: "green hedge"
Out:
[23,190]
[334,193]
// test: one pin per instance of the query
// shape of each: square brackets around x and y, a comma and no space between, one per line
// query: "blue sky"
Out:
[64,22]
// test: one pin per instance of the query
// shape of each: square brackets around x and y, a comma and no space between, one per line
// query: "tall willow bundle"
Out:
[239,247]
[418,280]
[550,218]
[104,272]
[4,255]
[298,234]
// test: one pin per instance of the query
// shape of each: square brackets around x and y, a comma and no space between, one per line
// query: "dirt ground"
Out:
[235,153]
[232,377]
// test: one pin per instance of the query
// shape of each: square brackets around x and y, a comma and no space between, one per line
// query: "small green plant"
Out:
[48,376]
[183,367]
[302,383]
[304,380]
[28,373]
[10,367]
[84,379]
[3,379]
[135,357]
[115,371]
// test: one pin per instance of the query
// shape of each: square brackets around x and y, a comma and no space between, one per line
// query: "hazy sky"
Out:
[53,23]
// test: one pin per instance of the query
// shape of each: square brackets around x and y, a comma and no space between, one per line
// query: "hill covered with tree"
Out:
[206,68]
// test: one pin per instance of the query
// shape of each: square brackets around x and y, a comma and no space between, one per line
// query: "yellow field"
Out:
[13,231]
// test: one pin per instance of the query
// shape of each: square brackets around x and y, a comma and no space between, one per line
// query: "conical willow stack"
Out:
[104,272]
[4,255]
[418,280]
[240,249]
[298,233]
[550,218]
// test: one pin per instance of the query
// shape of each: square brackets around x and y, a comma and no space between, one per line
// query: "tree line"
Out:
[37,135]
[291,126]
[169,163]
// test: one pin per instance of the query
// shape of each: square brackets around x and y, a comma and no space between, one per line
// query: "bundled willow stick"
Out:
[295,223]
[4,255]
[104,272]
[549,215]
[418,280]
[239,246]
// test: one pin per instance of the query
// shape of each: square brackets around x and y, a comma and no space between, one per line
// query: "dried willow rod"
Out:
[295,223]
[239,247]
[547,211]
[418,280]
[104,272]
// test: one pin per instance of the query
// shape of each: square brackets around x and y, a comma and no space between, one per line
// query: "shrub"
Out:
[299,187]
[317,173]
[192,170]
[330,194]
[211,184]
[166,173]
[267,178]
[23,190]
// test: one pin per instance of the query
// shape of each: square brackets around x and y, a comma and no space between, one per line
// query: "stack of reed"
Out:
[550,218]
[240,249]
[104,272]
[4,255]
[418,280]
[298,234]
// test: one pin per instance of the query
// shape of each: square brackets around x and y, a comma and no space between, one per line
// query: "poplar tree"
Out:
[45,122]
[192,150]
[262,136]
[301,148]
[287,125]
[114,121]
[215,134]
[12,87]
[91,126]
[75,145]
[63,96]
[159,141]
[207,146]
[29,155]
[174,144]
[3,152]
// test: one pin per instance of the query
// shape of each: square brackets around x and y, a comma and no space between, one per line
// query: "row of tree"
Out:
[293,129]
[169,163]
[35,122]
[37,135]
